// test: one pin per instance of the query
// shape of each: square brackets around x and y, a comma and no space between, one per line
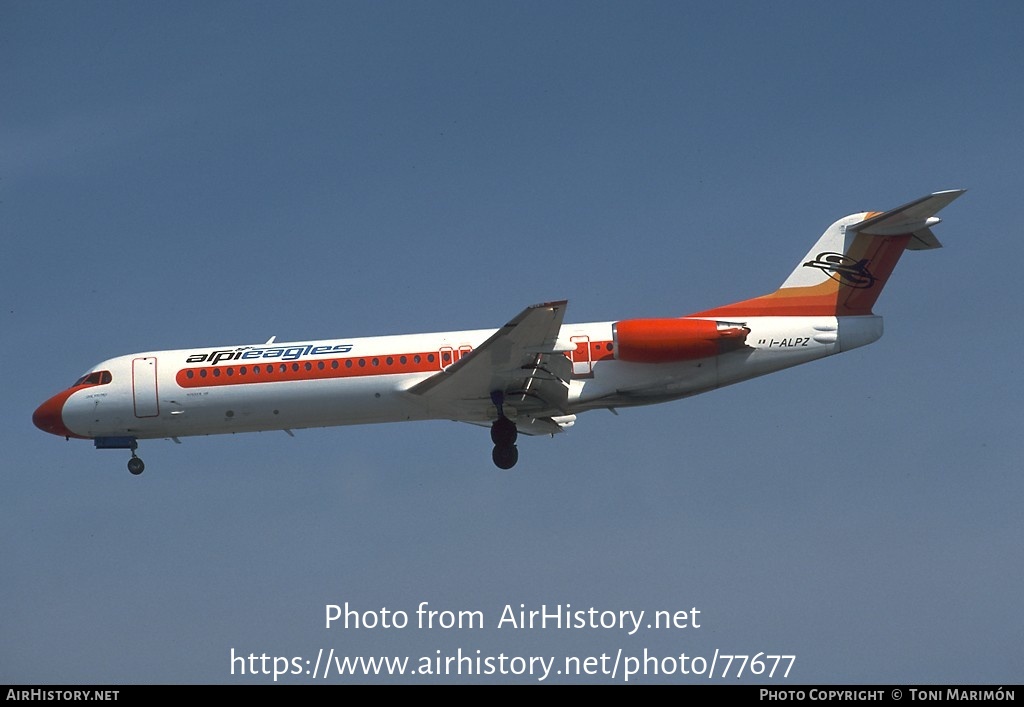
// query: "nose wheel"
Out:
[135,464]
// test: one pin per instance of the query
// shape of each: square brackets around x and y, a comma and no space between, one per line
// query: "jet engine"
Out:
[667,340]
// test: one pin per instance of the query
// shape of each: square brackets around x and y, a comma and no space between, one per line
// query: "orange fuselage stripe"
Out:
[328,368]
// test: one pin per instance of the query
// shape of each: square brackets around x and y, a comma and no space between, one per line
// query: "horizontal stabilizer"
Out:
[915,218]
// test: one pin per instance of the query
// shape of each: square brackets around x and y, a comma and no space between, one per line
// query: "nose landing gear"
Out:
[135,464]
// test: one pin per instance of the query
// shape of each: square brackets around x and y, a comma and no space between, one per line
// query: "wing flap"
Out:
[537,426]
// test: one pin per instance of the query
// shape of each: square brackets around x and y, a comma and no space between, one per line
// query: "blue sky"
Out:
[201,174]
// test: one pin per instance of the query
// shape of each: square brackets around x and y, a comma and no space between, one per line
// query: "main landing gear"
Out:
[503,434]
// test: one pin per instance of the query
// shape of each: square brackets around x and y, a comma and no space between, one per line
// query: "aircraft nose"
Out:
[49,416]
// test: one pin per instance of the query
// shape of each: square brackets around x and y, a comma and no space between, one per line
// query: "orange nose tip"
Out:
[49,416]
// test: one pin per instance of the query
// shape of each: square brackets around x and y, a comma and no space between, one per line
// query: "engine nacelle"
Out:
[665,340]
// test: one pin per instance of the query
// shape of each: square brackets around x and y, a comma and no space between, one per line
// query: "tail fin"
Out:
[845,271]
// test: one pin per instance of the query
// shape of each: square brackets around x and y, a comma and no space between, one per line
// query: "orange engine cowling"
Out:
[665,340]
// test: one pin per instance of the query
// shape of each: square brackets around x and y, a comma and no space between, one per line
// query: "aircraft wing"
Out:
[523,360]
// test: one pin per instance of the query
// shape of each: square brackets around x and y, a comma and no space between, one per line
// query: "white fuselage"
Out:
[367,380]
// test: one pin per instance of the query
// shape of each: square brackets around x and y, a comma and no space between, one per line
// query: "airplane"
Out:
[532,376]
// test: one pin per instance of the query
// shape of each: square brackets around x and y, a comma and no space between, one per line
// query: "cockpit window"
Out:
[94,378]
